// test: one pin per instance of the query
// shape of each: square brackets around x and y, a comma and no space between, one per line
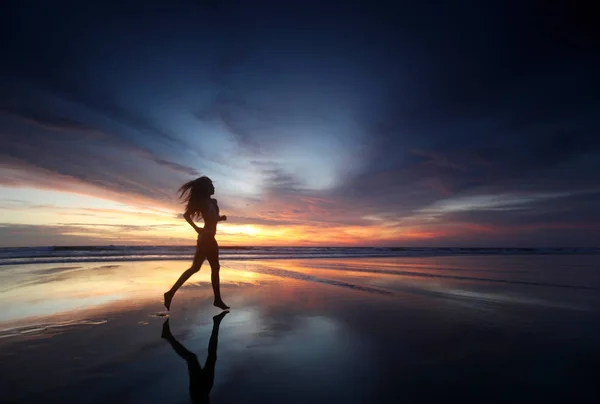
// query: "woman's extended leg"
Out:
[213,259]
[211,359]
[195,373]
[182,351]
[198,260]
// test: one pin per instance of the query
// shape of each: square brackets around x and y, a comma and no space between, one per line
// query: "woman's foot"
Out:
[220,304]
[168,297]
[217,319]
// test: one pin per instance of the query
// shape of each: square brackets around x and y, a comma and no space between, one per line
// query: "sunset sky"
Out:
[409,124]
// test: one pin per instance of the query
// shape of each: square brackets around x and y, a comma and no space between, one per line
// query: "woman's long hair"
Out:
[195,193]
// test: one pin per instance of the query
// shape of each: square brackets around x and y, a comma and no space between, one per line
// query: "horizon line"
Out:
[291,246]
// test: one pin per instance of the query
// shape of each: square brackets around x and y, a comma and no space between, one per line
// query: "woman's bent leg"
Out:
[198,260]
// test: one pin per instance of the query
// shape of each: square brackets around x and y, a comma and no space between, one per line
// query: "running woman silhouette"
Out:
[197,195]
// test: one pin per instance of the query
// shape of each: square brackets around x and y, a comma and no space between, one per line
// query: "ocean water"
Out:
[47,255]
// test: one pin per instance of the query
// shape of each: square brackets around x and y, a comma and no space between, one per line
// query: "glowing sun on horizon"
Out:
[242,229]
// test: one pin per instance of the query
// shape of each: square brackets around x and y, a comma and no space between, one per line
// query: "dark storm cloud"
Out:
[335,113]
[77,131]
[50,122]
[20,235]
[53,149]
[558,211]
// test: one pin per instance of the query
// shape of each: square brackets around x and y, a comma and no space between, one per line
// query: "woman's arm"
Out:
[188,218]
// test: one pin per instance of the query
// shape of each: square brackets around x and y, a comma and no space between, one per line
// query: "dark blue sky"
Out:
[430,123]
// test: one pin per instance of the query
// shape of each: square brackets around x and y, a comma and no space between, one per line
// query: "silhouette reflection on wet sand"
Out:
[201,379]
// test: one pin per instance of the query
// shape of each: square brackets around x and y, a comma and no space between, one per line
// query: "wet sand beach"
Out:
[386,330]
